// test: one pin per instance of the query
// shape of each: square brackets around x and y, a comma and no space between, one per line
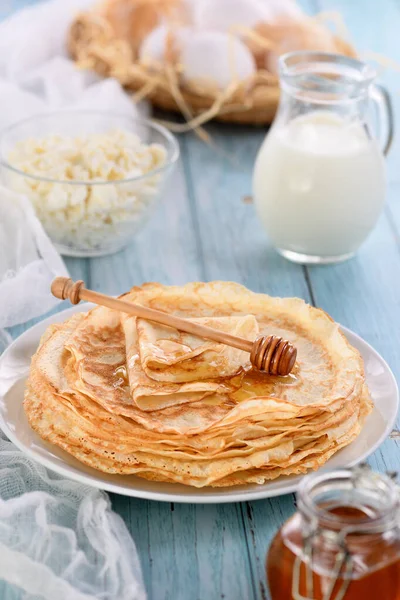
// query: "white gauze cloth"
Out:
[60,540]
[28,263]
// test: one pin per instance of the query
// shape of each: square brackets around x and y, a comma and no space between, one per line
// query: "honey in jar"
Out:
[344,541]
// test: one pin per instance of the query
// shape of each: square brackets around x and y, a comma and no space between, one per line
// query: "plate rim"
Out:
[219,498]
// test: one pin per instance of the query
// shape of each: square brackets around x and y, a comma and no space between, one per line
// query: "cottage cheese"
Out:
[92,203]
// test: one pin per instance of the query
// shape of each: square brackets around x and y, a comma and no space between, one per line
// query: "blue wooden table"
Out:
[204,230]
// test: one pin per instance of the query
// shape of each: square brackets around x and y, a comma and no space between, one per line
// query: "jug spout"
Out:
[325,77]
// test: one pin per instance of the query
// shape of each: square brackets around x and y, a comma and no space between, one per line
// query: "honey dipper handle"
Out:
[63,288]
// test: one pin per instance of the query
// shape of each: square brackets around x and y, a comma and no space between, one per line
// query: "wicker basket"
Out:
[93,45]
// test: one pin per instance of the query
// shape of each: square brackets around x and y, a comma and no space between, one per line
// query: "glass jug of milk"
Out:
[319,179]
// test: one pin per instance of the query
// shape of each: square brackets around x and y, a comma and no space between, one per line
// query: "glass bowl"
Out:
[99,212]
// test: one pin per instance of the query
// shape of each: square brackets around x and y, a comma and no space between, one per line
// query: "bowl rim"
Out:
[173,150]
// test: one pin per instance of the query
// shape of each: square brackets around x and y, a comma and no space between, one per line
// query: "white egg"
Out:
[153,46]
[217,58]
[222,15]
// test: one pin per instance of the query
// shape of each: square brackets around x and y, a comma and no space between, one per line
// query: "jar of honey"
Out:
[344,541]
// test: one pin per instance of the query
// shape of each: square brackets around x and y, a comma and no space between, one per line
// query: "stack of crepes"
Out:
[125,395]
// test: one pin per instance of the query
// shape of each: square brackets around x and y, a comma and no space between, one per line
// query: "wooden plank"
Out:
[234,244]
[235,247]
[353,293]
[393,211]
[181,547]
[263,519]
[192,551]
[364,293]
[374,29]
[370,304]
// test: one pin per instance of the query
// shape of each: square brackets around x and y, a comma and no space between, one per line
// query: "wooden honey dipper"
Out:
[270,354]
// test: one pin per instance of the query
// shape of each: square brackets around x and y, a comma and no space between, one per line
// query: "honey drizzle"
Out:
[121,374]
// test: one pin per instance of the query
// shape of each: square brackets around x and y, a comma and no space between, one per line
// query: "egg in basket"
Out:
[203,58]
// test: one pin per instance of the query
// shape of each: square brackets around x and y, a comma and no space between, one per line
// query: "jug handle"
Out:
[383,103]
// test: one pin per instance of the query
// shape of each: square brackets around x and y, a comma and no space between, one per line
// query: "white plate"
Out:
[14,365]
